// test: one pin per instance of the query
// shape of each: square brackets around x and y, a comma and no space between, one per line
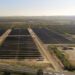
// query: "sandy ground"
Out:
[70,54]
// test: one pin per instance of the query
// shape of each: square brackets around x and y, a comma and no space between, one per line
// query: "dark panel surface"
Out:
[2,31]
[49,37]
[19,47]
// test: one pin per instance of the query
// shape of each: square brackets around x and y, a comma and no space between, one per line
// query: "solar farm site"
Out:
[40,47]
[51,37]
[19,45]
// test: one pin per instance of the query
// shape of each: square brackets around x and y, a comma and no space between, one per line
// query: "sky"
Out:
[37,7]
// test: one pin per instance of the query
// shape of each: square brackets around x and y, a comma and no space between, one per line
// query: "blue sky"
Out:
[36,7]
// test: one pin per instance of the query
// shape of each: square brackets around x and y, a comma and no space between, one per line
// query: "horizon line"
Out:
[36,15]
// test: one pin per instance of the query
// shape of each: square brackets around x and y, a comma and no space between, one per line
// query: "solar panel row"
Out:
[49,37]
[19,47]
[19,32]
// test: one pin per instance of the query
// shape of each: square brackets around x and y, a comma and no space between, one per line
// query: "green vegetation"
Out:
[63,59]
[40,72]
[11,73]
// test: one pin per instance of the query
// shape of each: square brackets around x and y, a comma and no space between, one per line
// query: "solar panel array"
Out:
[2,31]
[49,37]
[19,45]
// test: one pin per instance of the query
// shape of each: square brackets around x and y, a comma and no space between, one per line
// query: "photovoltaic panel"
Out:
[2,31]
[19,47]
[49,37]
